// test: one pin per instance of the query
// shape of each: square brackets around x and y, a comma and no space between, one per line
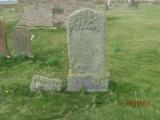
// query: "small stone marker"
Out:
[46,84]
[3,39]
[86,42]
[22,42]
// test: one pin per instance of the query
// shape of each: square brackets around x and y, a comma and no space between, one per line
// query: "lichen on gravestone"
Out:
[86,45]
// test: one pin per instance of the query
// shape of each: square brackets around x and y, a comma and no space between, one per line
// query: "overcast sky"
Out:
[7,0]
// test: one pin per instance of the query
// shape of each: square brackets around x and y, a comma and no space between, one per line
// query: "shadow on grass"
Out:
[5,62]
[43,59]
[113,18]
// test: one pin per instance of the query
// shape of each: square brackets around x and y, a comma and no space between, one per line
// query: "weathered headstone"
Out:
[46,84]
[86,40]
[3,39]
[22,42]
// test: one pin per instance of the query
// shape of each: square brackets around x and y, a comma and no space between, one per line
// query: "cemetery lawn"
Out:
[133,60]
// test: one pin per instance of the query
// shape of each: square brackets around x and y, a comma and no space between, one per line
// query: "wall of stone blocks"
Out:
[35,12]
[49,12]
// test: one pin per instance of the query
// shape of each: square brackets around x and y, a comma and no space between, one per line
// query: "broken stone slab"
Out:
[45,84]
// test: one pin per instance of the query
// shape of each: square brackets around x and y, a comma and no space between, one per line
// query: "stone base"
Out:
[90,83]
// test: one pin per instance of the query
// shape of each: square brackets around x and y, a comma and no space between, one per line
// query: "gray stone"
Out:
[86,42]
[3,39]
[46,84]
[36,12]
[22,42]
[49,12]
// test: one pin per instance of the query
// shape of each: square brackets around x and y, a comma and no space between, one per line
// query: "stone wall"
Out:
[68,7]
[35,12]
[4,6]
[49,12]
[54,12]
[116,2]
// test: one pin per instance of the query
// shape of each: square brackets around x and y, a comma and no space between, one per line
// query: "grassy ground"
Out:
[133,60]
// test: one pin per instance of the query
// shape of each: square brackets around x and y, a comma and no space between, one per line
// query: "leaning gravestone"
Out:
[86,40]
[22,42]
[3,39]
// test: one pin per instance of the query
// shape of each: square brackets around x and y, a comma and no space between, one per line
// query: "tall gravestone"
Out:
[22,41]
[86,42]
[3,39]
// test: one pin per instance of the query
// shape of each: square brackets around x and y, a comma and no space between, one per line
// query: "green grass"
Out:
[133,60]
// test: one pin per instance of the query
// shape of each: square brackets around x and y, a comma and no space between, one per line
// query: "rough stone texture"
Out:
[22,41]
[86,40]
[3,39]
[36,12]
[46,84]
[49,12]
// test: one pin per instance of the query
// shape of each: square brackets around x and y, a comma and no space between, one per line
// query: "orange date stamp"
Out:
[138,103]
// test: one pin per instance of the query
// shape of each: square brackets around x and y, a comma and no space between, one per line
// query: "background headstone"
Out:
[3,39]
[22,42]
[46,84]
[108,4]
[86,40]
